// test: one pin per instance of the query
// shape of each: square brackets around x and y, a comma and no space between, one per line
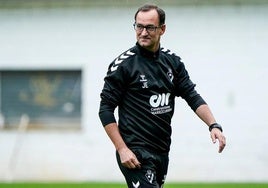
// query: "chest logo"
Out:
[160,103]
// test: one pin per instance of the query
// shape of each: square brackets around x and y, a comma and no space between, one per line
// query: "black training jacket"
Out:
[143,85]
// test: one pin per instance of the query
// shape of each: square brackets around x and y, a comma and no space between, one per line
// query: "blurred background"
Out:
[55,54]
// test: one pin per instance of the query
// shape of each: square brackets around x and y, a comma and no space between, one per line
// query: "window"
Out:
[51,99]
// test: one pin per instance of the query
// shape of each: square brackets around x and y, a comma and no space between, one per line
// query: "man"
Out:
[143,83]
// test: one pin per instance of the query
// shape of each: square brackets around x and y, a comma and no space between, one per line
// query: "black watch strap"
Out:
[215,125]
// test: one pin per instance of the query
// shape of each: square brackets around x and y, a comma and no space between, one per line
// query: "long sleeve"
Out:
[186,88]
[112,93]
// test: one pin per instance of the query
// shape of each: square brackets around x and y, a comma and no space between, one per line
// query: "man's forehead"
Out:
[148,17]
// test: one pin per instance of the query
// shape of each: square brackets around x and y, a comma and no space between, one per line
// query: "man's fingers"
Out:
[134,163]
[213,137]
[137,164]
[216,135]
[222,143]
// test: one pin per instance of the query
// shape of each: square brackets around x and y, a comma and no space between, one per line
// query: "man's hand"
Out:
[216,134]
[128,158]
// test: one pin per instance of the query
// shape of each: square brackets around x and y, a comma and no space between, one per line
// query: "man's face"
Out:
[149,39]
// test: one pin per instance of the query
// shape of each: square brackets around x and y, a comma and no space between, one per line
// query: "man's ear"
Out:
[163,29]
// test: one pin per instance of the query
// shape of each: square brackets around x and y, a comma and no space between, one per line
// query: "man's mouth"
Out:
[144,39]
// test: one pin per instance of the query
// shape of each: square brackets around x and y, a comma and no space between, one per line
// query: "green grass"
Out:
[118,185]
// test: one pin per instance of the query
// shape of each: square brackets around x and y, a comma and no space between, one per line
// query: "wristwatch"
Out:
[215,125]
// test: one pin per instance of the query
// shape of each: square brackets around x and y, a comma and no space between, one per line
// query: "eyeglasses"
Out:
[149,28]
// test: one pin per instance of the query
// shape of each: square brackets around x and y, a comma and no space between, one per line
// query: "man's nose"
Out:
[144,31]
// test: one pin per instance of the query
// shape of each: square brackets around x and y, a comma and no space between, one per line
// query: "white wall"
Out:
[224,49]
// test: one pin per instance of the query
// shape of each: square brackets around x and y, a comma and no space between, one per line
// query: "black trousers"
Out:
[152,173]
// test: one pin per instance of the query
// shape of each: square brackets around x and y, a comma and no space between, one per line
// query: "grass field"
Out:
[114,185]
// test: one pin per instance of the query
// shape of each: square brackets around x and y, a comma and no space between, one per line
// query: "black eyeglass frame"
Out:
[148,28]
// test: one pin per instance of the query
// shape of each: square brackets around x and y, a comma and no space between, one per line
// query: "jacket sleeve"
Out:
[186,88]
[112,93]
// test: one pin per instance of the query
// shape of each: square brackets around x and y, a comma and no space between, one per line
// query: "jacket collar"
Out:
[146,53]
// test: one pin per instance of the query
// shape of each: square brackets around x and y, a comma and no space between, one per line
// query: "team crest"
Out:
[170,74]
[149,176]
